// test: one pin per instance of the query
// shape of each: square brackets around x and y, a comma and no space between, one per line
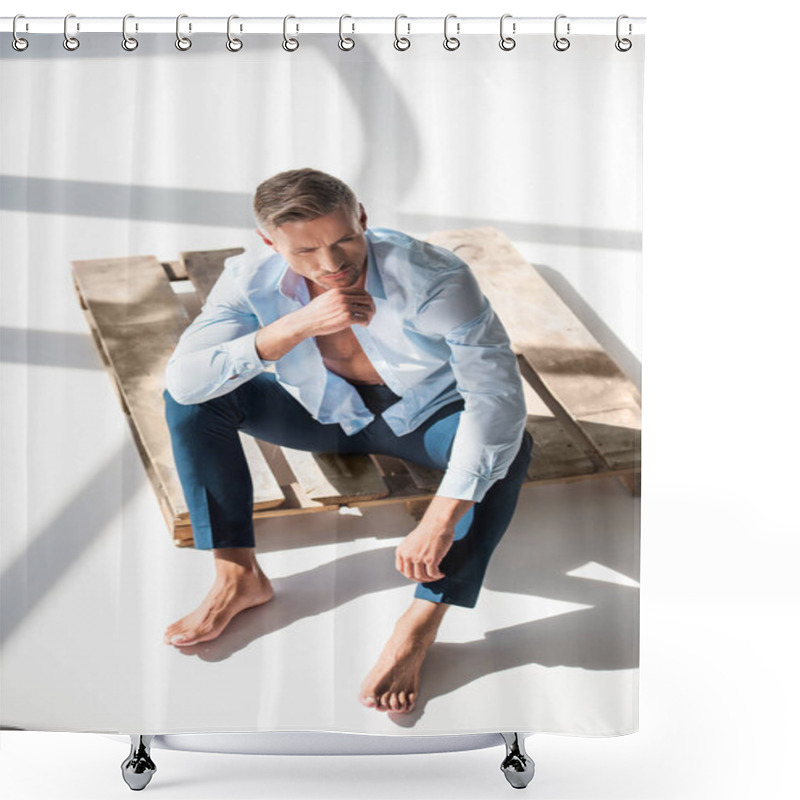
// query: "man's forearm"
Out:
[444,512]
[275,340]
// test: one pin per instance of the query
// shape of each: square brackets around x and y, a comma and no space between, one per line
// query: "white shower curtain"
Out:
[527,159]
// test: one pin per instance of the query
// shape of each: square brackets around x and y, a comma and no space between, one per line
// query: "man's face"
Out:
[329,251]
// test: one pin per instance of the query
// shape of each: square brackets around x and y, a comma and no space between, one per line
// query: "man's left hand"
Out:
[418,556]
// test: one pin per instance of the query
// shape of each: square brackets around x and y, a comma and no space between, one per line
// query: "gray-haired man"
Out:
[376,343]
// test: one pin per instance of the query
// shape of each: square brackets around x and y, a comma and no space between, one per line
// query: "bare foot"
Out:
[235,588]
[393,683]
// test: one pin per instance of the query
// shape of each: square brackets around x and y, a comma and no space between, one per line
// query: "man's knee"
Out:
[180,416]
[183,417]
[526,447]
[523,457]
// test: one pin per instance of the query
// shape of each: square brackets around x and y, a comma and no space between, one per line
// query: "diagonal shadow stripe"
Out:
[233,210]
[62,541]
[581,639]
[47,348]
[123,201]
[529,231]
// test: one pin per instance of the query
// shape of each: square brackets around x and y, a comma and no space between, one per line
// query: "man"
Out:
[375,343]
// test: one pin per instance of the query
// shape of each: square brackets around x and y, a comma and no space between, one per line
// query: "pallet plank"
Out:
[576,373]
[583,412]
[555,454]
[125,297]
[175,270]
[332,478]
[203,267]
[137,320]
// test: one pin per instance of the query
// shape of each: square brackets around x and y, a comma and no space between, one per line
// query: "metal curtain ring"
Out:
[289,44]
[233,44]
[506,42]
[70,42]
[18,43]
[561,43]
[345,42]
[623,45]
[182,42]
[401,42]
[129,43]
[451,42]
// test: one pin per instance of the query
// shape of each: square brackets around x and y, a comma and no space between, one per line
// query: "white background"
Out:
[720,547]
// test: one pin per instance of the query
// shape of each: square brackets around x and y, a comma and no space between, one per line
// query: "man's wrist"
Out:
[298,325]
[276,339]
[444,512]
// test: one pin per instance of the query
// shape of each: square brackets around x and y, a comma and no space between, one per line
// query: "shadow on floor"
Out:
[557,530]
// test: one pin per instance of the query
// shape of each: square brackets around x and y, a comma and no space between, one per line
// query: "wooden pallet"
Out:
[584,414]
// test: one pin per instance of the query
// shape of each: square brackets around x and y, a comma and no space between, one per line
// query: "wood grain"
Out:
[584,388]
[136,321]
[205,266]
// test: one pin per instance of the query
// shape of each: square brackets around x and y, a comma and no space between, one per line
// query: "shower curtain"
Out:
[500,250]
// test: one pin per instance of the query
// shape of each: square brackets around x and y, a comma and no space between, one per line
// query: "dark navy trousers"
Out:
[219,492]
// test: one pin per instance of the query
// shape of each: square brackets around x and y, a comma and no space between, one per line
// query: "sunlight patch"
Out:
[597,572]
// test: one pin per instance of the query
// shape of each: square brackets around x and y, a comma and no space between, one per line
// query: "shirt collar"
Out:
[373,284]
[294,287]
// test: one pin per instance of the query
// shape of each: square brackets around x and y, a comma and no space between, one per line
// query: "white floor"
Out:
[92,585]
[91,579]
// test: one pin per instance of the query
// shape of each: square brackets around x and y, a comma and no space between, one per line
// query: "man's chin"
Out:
[345,282]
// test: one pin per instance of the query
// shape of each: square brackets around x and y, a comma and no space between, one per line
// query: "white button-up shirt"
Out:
[434,338]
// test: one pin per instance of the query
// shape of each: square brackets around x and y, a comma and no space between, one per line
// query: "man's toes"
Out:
[404,702]
[383,705]
[179,636]
[368,701]
[394,702]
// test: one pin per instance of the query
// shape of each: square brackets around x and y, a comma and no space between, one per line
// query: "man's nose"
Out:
[333,260]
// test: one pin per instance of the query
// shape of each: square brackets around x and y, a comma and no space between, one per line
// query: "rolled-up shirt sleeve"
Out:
[217,352]
[487,377]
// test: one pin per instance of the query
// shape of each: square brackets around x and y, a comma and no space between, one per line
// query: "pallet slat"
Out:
[124,297]
[573,370]
[203,267]
[583,413]
[137,321]
[332,478]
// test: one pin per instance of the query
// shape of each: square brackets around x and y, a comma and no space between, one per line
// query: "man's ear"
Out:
[363,217]
[266,241]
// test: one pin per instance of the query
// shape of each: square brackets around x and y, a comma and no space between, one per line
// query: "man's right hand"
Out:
[330,312]
[335,310]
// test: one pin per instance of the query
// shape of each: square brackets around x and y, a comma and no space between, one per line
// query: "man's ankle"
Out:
[426,609]
[235,559]
[422,614]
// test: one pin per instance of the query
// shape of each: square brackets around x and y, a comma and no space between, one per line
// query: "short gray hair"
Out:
[300,194]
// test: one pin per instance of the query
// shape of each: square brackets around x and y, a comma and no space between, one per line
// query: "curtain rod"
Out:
[462,26]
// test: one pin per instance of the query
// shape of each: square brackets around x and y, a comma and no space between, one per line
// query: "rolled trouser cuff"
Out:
[454,593]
